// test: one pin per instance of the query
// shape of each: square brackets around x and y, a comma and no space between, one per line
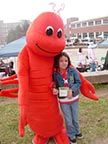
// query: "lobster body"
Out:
[35,76]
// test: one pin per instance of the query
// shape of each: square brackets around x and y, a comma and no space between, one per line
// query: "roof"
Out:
[104,43]
[13,48]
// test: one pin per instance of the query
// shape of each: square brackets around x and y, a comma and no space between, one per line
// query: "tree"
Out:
[25,26]
[11,36]
[18,32]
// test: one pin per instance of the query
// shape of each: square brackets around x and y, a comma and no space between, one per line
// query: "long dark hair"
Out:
[56,59]
[80,50]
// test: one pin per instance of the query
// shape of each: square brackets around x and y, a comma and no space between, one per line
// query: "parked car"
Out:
[68,43]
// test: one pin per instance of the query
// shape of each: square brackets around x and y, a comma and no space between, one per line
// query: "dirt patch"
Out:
[4,100]
[102,92]
[101,141]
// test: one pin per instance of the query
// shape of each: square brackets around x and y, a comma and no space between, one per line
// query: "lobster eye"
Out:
[49,31]
[59,33]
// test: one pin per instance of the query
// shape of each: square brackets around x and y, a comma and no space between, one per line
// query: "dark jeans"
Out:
[92,67]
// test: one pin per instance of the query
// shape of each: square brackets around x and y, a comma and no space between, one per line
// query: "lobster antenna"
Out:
[62,6]
[53,6]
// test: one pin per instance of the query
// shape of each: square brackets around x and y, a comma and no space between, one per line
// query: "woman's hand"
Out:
[69,96]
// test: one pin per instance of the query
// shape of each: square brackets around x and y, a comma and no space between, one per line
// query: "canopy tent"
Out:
[104,43]
[13,48]
[101,36]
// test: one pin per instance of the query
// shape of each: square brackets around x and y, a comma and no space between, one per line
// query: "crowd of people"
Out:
[89,61]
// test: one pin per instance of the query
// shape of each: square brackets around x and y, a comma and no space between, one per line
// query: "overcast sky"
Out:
[16,10]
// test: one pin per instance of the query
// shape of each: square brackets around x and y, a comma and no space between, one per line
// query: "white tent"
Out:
[101,36]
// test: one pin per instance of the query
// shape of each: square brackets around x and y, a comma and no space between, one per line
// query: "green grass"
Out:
[93,117]
[9,116]
[98,86]
[93,120]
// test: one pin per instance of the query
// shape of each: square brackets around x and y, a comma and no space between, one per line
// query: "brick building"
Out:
[91,28]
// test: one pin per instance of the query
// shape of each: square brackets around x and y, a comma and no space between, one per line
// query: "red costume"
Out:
[38,106]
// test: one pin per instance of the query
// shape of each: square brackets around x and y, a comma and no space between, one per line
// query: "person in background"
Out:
[87,66]
[11,66]
[86,60]
[4,68]
[91,56]
[81,60]
[2,64]
[67,84]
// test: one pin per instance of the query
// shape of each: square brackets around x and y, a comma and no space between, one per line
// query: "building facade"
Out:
[92,28]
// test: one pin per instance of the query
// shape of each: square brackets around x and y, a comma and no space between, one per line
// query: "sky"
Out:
[17,10]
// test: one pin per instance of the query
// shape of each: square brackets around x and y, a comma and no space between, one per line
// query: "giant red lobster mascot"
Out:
[38,106]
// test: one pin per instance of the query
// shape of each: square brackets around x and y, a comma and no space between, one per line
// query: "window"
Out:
[78,25]
[65,36]
[73,35]
[73,25]
[105,21]
[90,23]
[98,22]
[79,35]
[84,35]
[91,35]
[106,34]
[84,24]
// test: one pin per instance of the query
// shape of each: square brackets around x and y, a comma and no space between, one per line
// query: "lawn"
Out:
[93,119]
